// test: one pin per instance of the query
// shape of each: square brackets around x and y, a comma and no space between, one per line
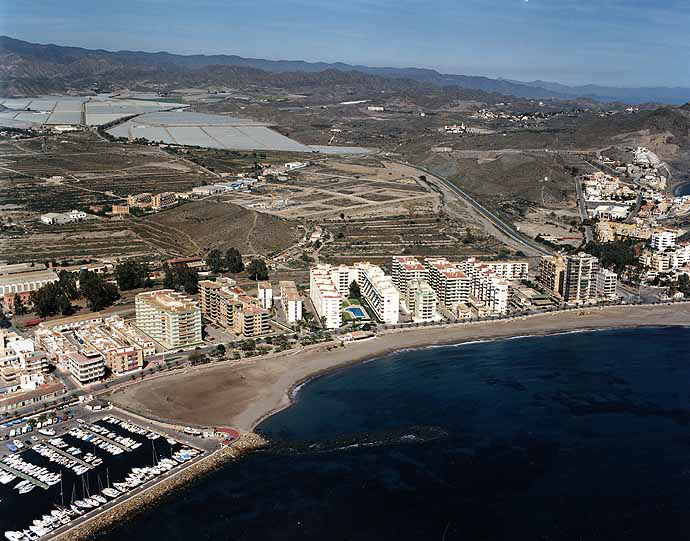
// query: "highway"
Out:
[529,246]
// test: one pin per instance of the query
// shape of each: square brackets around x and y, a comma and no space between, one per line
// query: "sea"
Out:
[576,436]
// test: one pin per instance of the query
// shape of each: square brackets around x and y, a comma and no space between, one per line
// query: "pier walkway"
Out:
[106,438]
[24,476]
[67,455]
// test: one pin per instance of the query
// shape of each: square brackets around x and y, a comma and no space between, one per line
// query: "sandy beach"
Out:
[243,393]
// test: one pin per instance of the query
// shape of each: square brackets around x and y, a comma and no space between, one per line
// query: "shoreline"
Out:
[243,395]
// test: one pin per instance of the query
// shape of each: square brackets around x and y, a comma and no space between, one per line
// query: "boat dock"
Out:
[67,455]
[106,438]
[23,476]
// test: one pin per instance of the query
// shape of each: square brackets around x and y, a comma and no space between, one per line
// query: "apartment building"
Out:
[325,296]
[404,269]
[163,200]
[124,359]
[422,300]
[510,270]
[231,308]
[291,301]
[140,200]
[661,240]
[451,285]
[170,318]
[551,273]
[485,285]
[606,282]
[86,369]
[265,295]
[379,292]
[579,284]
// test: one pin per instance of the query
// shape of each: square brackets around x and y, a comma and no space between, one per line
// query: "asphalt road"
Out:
[529,246]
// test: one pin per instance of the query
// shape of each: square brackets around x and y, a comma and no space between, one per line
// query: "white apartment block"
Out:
[510,270]
[486,285]
[169,317]
[265,295]
[86,369]
[291,300]
[451,285]
[606,284]
[379,292]
[405,269]
[329,284]
[424,302]
[325,296]
[661,240]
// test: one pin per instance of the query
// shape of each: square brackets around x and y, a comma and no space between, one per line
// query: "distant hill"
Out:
[29,67]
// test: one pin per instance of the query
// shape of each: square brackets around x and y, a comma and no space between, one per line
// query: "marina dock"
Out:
[67,455]
[106,438]
[35,481]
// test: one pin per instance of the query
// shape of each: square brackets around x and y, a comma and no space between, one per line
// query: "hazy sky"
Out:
[616,42]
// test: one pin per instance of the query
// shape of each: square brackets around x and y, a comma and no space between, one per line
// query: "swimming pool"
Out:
[357,312]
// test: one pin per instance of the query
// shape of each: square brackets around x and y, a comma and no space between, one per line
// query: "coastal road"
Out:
[514,237]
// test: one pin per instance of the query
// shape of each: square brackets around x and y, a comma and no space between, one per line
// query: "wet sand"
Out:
[241,394]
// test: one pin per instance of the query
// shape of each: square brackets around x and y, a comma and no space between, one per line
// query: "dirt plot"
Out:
[199,226]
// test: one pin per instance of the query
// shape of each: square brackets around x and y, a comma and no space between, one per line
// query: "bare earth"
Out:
[242,394]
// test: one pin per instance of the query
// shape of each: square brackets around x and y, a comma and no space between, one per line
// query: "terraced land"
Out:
[377,239]
[95,172]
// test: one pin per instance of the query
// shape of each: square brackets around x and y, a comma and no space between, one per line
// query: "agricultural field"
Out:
[378,239]
[81,169]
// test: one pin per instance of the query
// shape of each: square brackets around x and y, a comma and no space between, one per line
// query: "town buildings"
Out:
[86,368]
[573,277]
[452,286]
[421,300]
[55,218]
[265,295]
[324,296]
[405,269]
[170,318]
[379,292]
[231,308]
[291,301]
[606,282]
[661,240]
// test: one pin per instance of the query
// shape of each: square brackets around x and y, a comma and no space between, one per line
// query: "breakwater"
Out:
[140,501]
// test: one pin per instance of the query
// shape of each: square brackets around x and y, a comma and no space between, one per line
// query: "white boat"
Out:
[27,488]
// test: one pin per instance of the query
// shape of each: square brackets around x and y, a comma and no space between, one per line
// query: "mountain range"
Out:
[29,67]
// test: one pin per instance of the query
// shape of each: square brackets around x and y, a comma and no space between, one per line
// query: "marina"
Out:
[77,474]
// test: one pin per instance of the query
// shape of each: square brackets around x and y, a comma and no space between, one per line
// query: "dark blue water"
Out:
[570,437]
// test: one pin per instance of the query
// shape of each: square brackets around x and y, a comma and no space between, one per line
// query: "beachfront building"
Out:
[378,292]
[421,300]
[579,284]
[551,273]
[405,269]
[451,285]
[606,282]
[291,301]
[486,286]
[229,307]
[265,295]
[170,318]
[325,296]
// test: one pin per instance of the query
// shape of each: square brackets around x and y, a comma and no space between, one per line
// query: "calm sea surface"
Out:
[582,436]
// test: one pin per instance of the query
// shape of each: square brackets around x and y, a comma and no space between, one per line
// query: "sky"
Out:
[609,42]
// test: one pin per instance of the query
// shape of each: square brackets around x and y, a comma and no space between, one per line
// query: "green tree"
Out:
[214,260]
[168,276]
[355,292]
[233,261]
[68,284]
[98,293]
[18,305]
[132,275]
[257,270]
